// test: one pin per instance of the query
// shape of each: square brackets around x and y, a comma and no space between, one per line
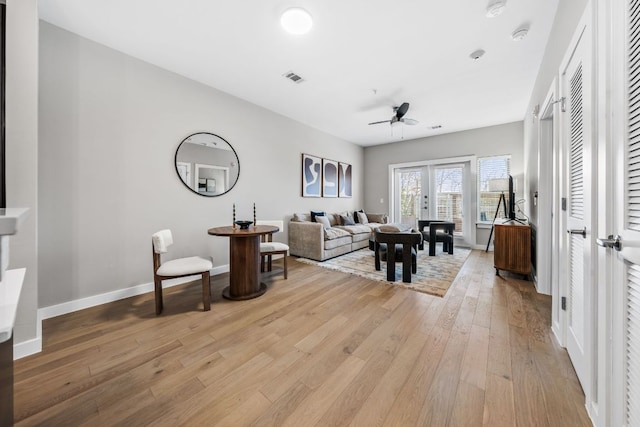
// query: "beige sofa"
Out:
[312,240]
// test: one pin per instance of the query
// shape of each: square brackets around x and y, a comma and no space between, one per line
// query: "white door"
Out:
[577,145]
[625,253]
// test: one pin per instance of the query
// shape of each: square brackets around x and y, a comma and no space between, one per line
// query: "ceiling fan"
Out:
[398,116]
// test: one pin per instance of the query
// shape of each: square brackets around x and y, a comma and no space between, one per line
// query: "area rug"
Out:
[435,273]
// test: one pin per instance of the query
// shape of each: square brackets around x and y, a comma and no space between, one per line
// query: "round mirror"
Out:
[207,164]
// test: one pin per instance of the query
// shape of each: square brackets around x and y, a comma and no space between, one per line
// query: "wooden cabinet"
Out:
[512,248]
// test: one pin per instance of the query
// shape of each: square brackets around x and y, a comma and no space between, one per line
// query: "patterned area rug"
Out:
[435,273]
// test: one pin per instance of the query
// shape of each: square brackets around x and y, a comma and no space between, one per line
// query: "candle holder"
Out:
[234,216]
[254,214]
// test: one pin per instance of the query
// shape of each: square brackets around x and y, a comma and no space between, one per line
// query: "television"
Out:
[512,200]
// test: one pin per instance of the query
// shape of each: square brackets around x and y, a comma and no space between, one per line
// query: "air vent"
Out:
[293,77]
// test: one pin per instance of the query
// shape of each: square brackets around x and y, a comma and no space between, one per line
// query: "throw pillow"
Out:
[362,218]
[347,220]
[355,215]
[323,220]
[389,228]
[315,214]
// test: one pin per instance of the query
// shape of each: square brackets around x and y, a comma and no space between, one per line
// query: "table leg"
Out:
[244,270]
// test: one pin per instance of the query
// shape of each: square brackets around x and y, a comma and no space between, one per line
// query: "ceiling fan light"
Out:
[495,8]
[296,21]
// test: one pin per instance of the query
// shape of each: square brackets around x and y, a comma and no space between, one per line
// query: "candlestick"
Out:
[234,216]
[254,214]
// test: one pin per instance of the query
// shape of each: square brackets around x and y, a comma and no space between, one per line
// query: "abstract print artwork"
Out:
[344,179]
[311,176]
[329,178]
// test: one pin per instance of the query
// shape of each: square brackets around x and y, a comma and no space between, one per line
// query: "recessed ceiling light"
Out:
[296,21]
[495,8]
[519,34]
[477,54]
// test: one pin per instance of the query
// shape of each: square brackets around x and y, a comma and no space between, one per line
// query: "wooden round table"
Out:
[244,260]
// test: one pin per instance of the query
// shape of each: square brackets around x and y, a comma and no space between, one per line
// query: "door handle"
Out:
[611,242]
[583,232]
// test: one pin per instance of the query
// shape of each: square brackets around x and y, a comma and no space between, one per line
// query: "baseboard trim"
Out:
[33,346]
[27,348]
[92,301]
[483,247]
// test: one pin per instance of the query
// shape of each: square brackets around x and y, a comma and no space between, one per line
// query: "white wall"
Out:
[567,16]
[488,141]
[22,156]
[109,126]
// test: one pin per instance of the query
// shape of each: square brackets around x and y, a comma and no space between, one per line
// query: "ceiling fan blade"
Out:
[402,110]
[409,122]
[377,123]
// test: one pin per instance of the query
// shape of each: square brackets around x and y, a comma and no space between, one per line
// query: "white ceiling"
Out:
[361,58]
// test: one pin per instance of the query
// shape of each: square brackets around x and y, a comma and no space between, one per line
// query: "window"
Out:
[490,168]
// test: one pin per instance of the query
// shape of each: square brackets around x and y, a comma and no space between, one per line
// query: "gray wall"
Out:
[567,17]
[22,154]
[107,123]
[488,141]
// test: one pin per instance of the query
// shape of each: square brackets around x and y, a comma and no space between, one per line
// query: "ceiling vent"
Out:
[293,77]
[436,127]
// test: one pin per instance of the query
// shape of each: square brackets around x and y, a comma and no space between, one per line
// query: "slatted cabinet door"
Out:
[627,261]
[576,82]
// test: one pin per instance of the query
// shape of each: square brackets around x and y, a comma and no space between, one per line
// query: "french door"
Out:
[576,81]
[434,191]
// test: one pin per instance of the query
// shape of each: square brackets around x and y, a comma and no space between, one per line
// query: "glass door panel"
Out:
[409,193]
[448,188]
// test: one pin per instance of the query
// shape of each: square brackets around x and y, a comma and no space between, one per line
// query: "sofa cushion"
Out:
[335,233]
[337,242]
[355,215]
[377,217]
[355,229]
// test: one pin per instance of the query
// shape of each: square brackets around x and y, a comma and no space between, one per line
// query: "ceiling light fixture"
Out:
[477,54]
[296,21]
[519,34]
[495,8]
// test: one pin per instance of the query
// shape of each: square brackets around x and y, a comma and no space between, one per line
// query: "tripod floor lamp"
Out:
[498,185]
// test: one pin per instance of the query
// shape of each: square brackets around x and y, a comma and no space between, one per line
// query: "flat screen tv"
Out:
[512,200]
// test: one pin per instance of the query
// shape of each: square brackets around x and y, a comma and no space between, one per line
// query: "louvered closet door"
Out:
[628,260]
[576,78]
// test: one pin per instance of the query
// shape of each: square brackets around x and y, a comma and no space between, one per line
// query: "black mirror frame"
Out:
[175,164]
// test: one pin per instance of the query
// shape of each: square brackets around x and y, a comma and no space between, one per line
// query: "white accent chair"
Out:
[175,268]
[268,248]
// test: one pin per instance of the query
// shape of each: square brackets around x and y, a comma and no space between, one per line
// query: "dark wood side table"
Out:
[244,260]
[512,248]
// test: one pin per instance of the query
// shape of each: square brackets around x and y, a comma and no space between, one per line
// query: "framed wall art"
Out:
[329,178]
[344,180]
[311,176]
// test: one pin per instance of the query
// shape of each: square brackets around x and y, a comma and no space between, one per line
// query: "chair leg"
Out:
[269,262]
[158,292]
[263,260]
[206,291]
[284,260]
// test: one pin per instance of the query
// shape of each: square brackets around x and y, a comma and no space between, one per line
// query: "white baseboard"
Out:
[483,247]
[92,301]
[27,348]
[33,346]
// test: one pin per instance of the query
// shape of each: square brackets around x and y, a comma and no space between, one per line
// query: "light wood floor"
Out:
[321,348]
